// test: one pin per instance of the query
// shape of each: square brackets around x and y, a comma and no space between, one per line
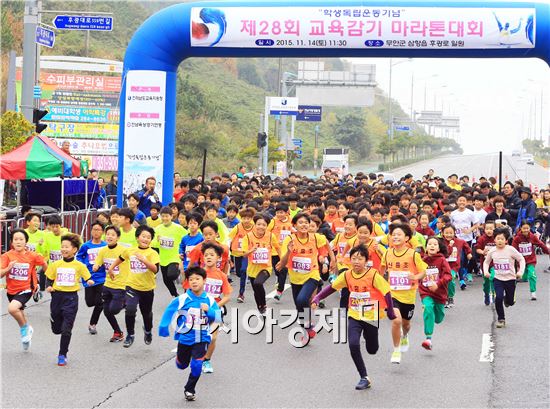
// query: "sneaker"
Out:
[447,305]
[37,296]
[147,337]
[207,367]
[462,285]
[487,299]
[128,341]
[189,396]
[469,278]
[427,344]
[501,324]
[278,295]
[396,357]
[451,302]
[61,360]
[404,345]
[533,296]
[92,329]
[262,309]
[240,299]
[364,383]
[492,298]
[26,336]
[117,337]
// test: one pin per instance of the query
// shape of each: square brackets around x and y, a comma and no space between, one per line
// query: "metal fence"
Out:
[78,222]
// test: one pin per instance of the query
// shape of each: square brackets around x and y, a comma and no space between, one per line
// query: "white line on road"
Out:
[272,293]
[487,348]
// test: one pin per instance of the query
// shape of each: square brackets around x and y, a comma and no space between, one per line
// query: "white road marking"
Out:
[487,348]
[272,294]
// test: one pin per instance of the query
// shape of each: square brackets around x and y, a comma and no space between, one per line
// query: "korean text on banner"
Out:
[144,128]
[363,27]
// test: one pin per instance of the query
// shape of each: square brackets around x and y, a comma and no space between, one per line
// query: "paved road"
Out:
[475,166]
[252,373]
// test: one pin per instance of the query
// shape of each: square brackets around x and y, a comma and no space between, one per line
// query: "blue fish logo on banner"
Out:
[200,30]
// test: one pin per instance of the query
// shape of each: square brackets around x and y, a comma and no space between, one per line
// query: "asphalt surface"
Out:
[475,166]
[252,373]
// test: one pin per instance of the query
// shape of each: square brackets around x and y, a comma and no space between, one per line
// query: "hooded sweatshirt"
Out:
[526,246]
[438,271]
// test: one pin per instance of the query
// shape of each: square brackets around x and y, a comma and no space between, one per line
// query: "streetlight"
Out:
[390,113]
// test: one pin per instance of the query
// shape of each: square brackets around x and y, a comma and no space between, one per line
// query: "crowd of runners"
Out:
[377,243]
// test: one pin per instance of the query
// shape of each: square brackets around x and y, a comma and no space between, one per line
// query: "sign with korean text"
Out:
[144,128]
[309,113]
[77,82]
[90,147]
[93,23]
[45,36]
[363,27]
[282,105]
[81,131]
[80,114]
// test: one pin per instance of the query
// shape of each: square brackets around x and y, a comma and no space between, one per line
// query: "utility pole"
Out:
[30,21]
[316,151]
[260,150]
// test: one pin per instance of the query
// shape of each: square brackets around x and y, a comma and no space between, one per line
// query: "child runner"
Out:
[342,241]
[504,258]
[525,242]
[424,225]
[52,239]
[236,235]
[36,243]
[217,286]
[300,253]
[455,247]
[168,238]
[376,251]
[281,227]
[404,268]
[127,231]
[369,295]
[258,246]
[154,220]
[433,289]
[209,230]
[93,294]
[18,265]
[483,245]
[63,277]
[194,237]
[195,310]
[140,286]
[114,289]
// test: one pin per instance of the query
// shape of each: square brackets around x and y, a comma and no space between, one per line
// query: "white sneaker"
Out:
[533,296]
[404,345]
[396,357]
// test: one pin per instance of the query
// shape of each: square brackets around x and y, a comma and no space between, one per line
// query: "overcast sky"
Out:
[494,98]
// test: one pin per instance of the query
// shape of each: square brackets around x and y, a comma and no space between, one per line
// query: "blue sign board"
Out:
[94,23]
[402,128]
[297,142]
[45,36]
[298,152]
[309,113]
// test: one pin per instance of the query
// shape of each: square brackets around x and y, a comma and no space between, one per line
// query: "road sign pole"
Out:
[30,21]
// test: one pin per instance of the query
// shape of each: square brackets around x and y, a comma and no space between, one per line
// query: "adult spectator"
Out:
[528,208]
[513,201]
[66,147]
[93,174]
[111,190]
[147,196]
[177,178]
[500,212]
[102,194]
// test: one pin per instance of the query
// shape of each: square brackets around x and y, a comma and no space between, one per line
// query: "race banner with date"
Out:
[363,27]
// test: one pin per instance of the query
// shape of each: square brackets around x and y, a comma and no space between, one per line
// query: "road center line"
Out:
[487,349]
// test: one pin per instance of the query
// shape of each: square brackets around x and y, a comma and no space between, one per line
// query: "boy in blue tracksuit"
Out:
[195,310]
[87,255]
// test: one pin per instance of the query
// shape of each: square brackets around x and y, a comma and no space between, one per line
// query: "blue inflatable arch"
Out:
[343,28]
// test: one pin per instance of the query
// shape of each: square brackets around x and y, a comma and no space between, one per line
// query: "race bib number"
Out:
[502,266]
[30,246]
[20,271]
[301,265]
[360,301]
[108,262]
[461,229]
[136,266]
[284,234]
[166,243]
[340,229]
[454,255]
[55,255]
[342,247]
[66,277]
[399,280]
[213,287]
[188,250]
[526,249]
[125,245]
[92,255]
[260,256]
[432,274]
[195,318]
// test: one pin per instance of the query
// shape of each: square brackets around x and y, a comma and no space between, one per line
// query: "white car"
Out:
[528,158]
[516,153]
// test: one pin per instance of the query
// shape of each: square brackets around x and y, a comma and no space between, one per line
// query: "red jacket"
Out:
[526,246]
[483,242]
[426,232]
[443,278]
[455,257]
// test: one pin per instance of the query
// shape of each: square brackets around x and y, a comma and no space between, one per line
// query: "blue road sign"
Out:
[298,152]
[45,36]
[94,23]
[402,128]
[297,142]
[309,113]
